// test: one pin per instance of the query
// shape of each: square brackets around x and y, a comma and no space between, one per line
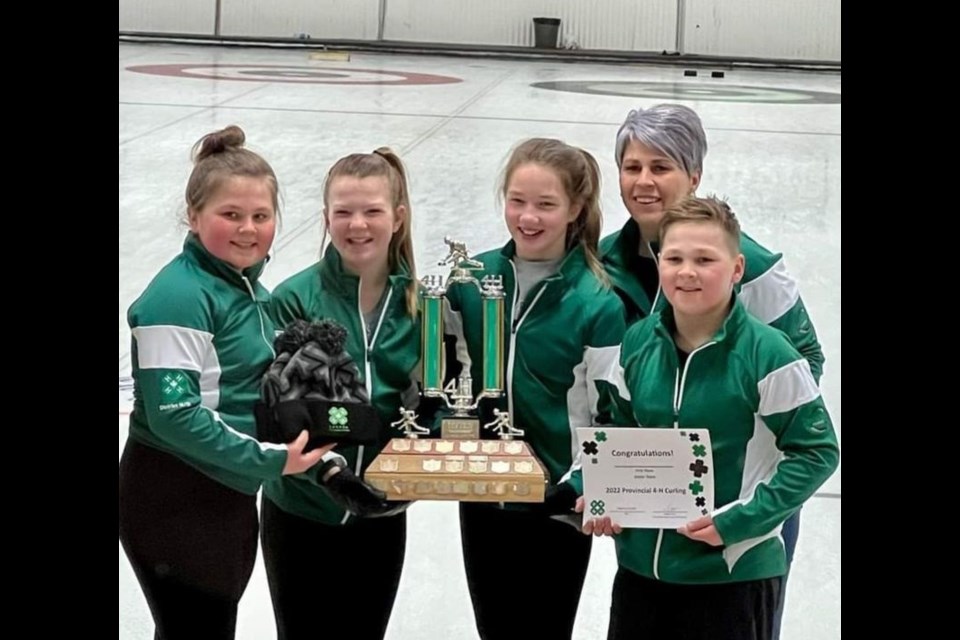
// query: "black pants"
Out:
[332,581]
[192,543]
[790,534]
[525,572]
[643,608]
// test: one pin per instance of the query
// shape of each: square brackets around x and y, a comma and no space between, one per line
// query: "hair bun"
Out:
[227,139]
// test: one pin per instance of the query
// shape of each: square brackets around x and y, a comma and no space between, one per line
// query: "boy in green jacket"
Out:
[704,362]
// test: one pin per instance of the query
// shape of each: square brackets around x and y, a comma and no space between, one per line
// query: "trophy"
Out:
[458,394]
[459,465]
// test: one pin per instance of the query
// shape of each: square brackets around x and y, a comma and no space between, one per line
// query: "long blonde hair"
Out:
[580,176]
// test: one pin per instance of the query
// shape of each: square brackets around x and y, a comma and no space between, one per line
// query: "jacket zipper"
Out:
[263,328]
[367,369]
[678,384]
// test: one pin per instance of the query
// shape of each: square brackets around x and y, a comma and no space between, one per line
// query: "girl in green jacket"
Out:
[319,555]
[563,324]
[201,338]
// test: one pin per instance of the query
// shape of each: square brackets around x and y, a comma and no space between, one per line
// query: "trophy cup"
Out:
[459,465]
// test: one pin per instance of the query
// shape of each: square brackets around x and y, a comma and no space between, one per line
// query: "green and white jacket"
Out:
[201,339]
[767,290]
[773,441]
[389,365]
[568,329]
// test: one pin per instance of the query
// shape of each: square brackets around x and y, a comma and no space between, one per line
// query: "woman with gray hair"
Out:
[660,152]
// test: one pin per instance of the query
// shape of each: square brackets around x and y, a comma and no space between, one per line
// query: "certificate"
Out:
[646,478]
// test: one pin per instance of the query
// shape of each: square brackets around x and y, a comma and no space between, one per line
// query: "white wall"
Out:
[168,16]
[329,19]
[788,29]
[626,25]
[772,29]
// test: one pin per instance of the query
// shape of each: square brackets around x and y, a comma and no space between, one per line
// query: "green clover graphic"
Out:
[695,487]
[174,385]
[699,450]
[601,436]
[597,507]
[338,416]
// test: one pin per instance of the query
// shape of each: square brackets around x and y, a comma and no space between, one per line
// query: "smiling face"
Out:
[538,212]
[238,222]
[650,183]
[361,221]
[698,268]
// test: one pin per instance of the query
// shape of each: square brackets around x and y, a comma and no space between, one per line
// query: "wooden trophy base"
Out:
[452,469]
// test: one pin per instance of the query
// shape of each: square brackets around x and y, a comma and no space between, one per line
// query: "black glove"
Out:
[353,494]
[558,499]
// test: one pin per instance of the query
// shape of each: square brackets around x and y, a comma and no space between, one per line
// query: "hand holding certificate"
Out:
[646,478]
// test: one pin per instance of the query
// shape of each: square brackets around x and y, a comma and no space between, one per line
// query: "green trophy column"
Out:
[493,344]
[432,342]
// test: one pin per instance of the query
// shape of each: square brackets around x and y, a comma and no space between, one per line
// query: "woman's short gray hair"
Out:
[671,129]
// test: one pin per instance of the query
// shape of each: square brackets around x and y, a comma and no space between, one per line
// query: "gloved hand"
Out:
[352,493]
[558,499]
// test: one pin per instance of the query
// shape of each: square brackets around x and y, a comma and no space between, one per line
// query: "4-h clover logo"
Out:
[601,436]
[597,507]
[695,487]
[699,450]
[173,386]
[338,417]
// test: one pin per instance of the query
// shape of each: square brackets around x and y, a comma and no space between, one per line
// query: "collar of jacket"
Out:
[571,267]
[620,258]
[336,279]
[214,265]
[624,247]
[667,325]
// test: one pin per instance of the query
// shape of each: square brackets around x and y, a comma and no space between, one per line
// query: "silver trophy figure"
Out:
[458,394]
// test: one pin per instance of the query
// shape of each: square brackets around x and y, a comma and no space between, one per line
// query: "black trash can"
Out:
[546,31]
